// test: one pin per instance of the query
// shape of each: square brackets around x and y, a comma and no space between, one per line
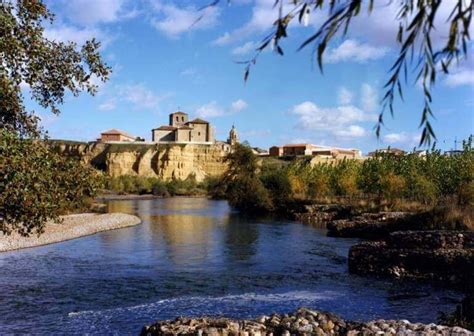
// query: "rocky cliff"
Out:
[168,161]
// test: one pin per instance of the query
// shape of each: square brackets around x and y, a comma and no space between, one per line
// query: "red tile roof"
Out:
[197,121]
[114,131]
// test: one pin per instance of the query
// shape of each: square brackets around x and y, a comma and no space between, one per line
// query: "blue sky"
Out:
[162,61]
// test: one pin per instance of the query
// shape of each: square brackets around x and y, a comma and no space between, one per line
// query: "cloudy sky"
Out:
[163,60]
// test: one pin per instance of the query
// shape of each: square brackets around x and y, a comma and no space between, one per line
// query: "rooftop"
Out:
[115,131]
[198,121]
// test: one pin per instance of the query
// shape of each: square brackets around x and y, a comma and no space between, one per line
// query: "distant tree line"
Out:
[384,179]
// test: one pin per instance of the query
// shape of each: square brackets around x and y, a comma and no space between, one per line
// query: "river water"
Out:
[193,256]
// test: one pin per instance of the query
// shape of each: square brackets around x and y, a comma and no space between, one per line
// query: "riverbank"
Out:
[72,226]
[302,322]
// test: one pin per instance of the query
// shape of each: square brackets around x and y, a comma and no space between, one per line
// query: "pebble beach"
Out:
[71,227]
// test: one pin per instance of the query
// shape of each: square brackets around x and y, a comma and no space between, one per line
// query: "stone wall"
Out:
[165,161]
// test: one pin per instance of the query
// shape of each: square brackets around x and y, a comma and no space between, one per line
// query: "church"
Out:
[183,130]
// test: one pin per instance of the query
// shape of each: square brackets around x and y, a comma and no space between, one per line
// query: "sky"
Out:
[163,60]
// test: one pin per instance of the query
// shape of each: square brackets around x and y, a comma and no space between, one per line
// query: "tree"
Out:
[243,188]
[49,68]
[416,20]
[36,184]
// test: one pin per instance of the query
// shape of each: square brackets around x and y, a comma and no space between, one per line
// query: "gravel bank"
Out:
[73,226]
[302,322]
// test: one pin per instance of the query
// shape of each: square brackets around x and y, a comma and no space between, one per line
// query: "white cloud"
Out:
[239,105]
[210,110]
[369,98]
[264,14]
[140,96]
[174,21]
[213,109]
[90,12]
[461,77]
[62,33]
[245,48]
[354,51]
[345,96]
[402,139]
[353,131]
[108,105]
[336,120]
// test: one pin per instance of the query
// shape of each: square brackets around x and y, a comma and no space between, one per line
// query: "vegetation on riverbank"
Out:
[37,184]
[385,181]
[139,185]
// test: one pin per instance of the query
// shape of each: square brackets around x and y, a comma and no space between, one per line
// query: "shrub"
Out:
[392,186]
[38,184]
[278,186]
[159,188]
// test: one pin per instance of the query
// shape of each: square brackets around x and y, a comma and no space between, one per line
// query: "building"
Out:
[233,137]
[388,150]
[115,135]
[314,150]
[276,151]
[181,130]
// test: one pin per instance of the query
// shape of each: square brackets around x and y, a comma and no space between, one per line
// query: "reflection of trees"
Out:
[127,206]
[188,238]
[241,237]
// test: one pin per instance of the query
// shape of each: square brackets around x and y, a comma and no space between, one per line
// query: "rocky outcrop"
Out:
[168,161]
[302,322]
[321,214]
[446,256]
[373,225]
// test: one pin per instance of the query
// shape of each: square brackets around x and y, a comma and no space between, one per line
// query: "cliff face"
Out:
[164,161]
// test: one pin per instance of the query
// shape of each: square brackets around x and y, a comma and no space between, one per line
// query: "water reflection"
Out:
[188,238]
[241,237]
[191,257]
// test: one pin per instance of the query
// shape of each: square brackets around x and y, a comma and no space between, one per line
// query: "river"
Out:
[193,256]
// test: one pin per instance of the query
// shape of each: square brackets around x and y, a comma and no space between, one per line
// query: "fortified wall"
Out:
[165,161]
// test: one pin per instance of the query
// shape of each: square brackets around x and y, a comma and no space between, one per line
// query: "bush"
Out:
[392,186]
[38,184]
[159,188]
[278,186]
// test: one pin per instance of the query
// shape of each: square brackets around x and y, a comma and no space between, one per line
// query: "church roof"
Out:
[115,131]
[166,128]
[179,112]
[198,121]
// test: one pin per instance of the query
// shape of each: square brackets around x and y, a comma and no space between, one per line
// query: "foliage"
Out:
[243,188]
[385,179]
[128,184]
[416,20]
[47,67]
[37,184]
[279,187]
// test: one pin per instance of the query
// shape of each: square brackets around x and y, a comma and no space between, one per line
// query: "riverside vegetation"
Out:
[36,184]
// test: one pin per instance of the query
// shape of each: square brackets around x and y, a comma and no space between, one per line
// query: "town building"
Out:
[276,151]
[182,130]
[233,137]
[307,149]
[115,135]
[388,150]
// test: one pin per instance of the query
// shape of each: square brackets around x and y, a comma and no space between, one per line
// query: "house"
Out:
[115,135]
[388,150]
[298,149]
[183,130]
[314,150]
[276,151]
